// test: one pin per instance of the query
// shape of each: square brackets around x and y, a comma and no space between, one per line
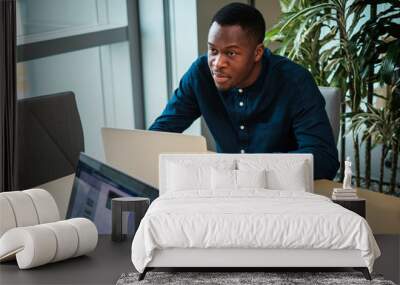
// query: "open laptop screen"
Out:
[95,185]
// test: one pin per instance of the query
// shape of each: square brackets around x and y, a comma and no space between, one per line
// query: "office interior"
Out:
[114,64]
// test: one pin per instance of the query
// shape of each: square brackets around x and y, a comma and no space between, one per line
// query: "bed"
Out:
[245,211]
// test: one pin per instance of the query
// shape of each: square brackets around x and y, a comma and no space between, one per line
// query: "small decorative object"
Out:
[347,174]
[346,192]
[137,205]
[33,234]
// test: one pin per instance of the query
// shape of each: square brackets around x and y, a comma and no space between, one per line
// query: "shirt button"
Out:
[241,104]
[242,151]
[240,90]
[242,127]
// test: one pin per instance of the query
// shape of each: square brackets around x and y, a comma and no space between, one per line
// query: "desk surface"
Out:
[383,211]
[102,266]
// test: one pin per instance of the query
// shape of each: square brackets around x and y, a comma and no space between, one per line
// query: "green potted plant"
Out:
[384,122]
[321,37]
[328,39]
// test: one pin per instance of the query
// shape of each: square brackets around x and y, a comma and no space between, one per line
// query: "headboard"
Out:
[200,158]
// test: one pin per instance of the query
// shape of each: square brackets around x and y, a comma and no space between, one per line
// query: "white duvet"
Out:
[253,218]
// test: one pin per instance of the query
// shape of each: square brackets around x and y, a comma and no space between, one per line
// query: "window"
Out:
[84,46]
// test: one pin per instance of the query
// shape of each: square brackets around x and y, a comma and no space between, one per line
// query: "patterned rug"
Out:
[243,278]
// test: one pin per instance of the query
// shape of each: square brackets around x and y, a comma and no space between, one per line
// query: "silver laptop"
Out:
[135,152]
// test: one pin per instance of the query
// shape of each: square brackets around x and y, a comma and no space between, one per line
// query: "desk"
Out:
[383,211]
[110,259]
[102,266]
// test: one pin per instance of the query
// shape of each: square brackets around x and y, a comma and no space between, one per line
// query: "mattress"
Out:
[250,219]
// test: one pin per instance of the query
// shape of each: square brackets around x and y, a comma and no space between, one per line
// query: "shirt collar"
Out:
[261,77]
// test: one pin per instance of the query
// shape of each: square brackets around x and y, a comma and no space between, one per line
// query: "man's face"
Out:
[232,56]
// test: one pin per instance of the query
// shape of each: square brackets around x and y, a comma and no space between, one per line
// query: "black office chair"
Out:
[49,138]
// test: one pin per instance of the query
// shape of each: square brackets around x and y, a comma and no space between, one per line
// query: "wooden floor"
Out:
[110,260]
[102,266]
[389,262]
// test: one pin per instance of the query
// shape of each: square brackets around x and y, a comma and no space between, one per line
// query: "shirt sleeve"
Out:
[181,110]
[312,130]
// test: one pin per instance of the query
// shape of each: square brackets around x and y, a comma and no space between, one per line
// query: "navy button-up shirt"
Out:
[282,111]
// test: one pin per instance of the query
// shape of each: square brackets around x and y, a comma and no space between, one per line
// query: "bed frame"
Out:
[248,259]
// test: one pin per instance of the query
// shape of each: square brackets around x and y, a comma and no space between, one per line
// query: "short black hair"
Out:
[243,15]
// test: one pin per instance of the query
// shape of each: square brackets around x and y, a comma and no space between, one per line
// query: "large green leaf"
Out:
[307,12]
[390,63]
[326,38]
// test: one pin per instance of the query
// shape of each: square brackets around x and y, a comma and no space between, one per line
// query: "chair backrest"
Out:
[332,107]
[283,161]
[50,138]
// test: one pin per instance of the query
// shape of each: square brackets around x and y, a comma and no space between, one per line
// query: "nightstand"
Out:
[356,205]
[137,205]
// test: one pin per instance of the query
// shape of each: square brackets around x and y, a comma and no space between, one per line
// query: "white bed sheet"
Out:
[251,218]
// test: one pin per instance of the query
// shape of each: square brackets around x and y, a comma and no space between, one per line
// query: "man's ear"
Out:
[259,52]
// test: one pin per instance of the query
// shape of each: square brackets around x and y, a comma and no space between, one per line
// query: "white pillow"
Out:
[223,179]
[281,175]
[237,179]
[183,178]
[251,178]
[193,174]
[293,180]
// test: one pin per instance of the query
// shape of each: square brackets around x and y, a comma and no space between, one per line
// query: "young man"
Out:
[252,101]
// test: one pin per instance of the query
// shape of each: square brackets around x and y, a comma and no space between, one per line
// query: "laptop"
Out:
[94,186]
[136,152]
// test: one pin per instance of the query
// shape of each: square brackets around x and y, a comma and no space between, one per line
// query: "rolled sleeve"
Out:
[182,109]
